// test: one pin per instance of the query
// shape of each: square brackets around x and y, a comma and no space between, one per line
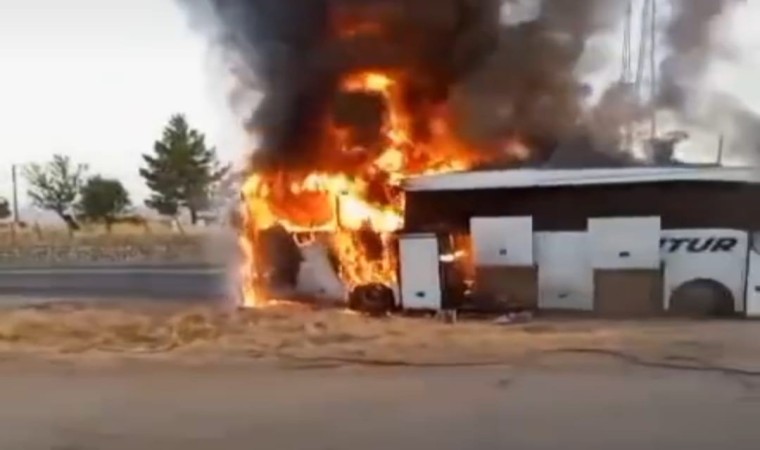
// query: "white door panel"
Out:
[420,272]
[625,243]
[565,276]
[502,241]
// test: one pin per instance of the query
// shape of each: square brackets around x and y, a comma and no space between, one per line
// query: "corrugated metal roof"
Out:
[526,178]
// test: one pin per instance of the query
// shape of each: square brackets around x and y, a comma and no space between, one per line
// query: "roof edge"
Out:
[534,178]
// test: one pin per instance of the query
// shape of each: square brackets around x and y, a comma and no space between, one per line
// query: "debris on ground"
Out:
[514,318]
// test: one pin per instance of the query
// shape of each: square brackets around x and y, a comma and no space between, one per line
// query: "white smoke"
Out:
[722,96]
[514,12]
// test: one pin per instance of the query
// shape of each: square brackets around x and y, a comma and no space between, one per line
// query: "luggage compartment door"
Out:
[502,241]
[420,272]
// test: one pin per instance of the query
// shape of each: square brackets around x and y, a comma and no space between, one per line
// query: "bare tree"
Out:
[55,186]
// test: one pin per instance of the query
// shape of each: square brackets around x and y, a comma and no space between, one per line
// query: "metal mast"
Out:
[626,83]
[626,72]
[647,64]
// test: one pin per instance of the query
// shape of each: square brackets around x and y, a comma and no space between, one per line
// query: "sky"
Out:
[98,79]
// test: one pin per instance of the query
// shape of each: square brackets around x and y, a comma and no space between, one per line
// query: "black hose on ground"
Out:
[701,366]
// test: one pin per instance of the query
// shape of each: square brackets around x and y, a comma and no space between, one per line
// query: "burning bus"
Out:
[361,95]
[371,108]
[633,241]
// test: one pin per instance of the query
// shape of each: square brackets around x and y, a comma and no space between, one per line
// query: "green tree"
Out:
[5,209]
[103,200]
[182,171]
[54,186]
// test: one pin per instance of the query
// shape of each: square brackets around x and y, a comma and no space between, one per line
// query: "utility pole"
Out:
[14,178]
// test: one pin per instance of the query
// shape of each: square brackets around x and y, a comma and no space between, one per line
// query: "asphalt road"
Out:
[162,283]
[173,407]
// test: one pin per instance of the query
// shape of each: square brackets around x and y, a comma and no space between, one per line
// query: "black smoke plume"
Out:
[529,86]
[516,79]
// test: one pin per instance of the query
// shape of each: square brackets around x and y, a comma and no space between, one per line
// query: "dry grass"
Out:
[32,235]
[127,243]
[299,334]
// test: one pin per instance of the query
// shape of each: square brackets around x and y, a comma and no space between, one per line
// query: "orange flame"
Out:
[361,208]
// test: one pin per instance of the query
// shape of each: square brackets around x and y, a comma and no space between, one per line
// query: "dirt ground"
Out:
[295,334]
[95,377]
[577,403]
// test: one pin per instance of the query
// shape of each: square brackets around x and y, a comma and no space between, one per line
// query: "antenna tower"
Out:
[646,71]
